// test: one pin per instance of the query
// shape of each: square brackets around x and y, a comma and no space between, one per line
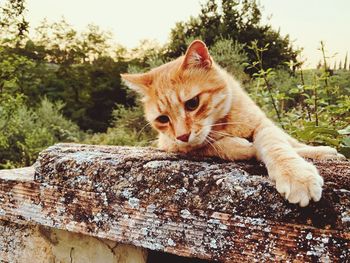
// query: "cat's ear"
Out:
[139,82]
[197,55]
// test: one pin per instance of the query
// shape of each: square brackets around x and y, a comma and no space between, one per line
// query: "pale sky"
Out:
[306,21]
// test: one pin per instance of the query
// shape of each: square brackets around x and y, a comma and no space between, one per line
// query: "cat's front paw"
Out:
[329,153]
[337,156]
[320,153]
[298,182]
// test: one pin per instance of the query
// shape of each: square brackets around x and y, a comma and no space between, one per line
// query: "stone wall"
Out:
[38,244]
[201,208]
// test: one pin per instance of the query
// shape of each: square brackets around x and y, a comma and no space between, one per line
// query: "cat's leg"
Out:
[295,178]
[231,148]
[314,152]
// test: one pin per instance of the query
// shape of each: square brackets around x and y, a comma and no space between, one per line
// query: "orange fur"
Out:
[223,122]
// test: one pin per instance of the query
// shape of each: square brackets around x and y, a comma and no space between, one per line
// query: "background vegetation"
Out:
[60,85]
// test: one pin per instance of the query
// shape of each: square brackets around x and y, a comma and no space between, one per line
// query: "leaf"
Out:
[294,90]
[345,131]
[346,141]
[345,151]
[313,130]
[269,70]
[305,95]
[330,141]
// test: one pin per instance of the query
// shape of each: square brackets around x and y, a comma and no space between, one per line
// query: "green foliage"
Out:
[129,127]
[84,76]
[13,25]
[24,132]
[236,20]
[232,56]
[18,74]
[66,66]
[312,105]
[62,44]
[264,75]
[62,80]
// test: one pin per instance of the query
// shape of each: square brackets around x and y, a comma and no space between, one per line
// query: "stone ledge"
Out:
[187,206]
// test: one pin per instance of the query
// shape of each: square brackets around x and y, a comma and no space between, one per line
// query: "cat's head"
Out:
[185,97]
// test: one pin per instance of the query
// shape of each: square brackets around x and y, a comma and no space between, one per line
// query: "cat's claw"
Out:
[299,184]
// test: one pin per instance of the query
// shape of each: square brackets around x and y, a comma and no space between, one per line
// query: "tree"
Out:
[75,68]
[106,92]
[230,55]
[345,61]
[13,25]
[236,20]
[17,74]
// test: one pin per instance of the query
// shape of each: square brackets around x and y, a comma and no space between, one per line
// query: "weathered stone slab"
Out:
[192,207]
[37,244]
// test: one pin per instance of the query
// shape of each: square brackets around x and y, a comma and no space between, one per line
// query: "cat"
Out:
[199,108]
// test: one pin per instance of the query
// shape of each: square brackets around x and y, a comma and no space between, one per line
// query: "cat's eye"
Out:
[163,119]
[192,104]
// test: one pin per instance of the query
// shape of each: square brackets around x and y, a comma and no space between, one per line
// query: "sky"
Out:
[306,21]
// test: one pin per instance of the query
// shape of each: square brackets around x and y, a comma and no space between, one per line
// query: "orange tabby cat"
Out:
[197,107]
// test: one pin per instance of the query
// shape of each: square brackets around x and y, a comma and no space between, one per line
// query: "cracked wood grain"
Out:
[205,208]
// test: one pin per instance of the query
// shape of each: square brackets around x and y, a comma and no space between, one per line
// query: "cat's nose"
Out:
[184,137]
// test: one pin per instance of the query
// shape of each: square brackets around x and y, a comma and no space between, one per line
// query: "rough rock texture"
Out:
[37,244]
[209,208]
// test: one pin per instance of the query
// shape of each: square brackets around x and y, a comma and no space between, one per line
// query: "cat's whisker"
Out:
[143,128]
[151,141]
[223,133]
[211,145]
[232,123]
[207,139]
[229,123]
[218,146]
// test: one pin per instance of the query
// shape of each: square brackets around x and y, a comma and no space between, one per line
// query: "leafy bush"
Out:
[24,132]
[310,105]
[230,55]
[129,127]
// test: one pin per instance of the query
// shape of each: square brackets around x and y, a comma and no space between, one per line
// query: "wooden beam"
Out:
[210,209]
